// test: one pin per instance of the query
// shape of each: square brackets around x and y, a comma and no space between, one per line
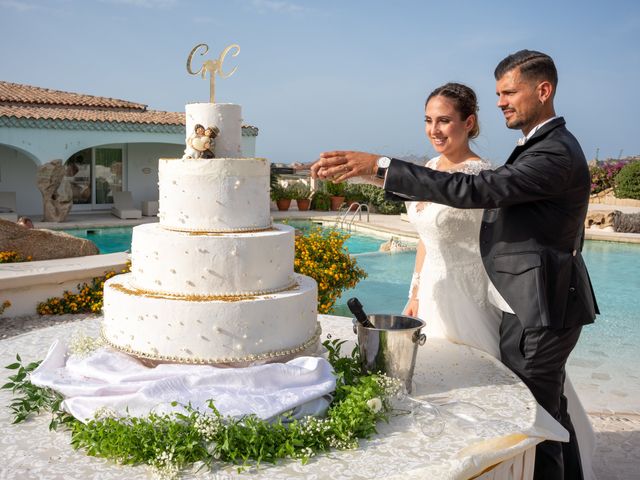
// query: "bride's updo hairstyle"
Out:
[464,100]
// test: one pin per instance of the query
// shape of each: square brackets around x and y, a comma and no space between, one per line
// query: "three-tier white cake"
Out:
[213,281]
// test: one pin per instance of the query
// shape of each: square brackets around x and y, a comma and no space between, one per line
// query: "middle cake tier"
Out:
[183,263]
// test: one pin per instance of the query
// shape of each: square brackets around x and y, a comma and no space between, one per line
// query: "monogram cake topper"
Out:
[213,66]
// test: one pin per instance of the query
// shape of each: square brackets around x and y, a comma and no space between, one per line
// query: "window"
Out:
[94,174]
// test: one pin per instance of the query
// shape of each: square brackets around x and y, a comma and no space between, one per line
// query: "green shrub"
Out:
[300,191]
[334,189]
[375,196]
[603,174]
[627,181]
[279,192]
[320,201]
[353,193]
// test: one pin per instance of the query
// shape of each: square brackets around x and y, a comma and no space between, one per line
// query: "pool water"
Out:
[603,367]
[118,239]
[108,240]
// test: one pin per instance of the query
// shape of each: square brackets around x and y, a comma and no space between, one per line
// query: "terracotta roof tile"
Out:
[36,103]
[27,94]
[92,115]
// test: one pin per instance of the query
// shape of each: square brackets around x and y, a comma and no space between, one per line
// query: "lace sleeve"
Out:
[474,167]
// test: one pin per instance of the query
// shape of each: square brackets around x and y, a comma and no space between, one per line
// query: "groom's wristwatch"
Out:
[382,164]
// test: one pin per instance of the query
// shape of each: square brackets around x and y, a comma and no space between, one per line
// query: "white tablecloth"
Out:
[495,419]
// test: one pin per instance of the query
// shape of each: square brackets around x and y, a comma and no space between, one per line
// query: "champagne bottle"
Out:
[356,308]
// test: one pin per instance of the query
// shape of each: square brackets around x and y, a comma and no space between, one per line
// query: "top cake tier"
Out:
[225,117]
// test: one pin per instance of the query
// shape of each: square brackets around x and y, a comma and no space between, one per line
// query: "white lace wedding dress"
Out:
[452,295]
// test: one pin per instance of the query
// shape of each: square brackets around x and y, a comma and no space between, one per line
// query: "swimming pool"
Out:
[603,367]
[118,239]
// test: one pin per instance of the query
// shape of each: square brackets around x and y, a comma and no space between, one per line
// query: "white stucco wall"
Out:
[143,158]
[22,150]
[49,144]
[18,174]
[248,146]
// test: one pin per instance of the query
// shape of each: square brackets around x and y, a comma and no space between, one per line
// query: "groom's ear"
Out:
[545,91]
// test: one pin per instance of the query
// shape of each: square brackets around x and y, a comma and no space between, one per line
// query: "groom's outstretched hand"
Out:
[340,165]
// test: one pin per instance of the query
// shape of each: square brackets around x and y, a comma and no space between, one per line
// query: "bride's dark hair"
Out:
[464,99]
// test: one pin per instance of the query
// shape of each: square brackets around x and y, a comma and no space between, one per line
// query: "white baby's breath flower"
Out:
[207,426]
[83,345]
[375,404]
[391,386]
[163,466]
[105,412]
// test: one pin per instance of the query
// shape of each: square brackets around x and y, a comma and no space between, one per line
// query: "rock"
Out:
[41,244]
[395,245]
[603,219]
[57,195]
[627,223]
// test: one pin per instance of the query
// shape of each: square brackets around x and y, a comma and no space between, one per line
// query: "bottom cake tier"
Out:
[210,330]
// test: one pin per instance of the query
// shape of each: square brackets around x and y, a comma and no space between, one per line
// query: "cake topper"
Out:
[212,66]
[200,143]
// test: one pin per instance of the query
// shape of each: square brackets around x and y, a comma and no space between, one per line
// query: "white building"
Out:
[106,144]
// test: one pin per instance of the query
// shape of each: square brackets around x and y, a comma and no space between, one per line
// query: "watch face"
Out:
[384,162]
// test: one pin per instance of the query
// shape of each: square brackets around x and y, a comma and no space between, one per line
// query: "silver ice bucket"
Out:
[391,347]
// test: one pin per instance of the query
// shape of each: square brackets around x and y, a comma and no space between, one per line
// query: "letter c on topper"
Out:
[212,66]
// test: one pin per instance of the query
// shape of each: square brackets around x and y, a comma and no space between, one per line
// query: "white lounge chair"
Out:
[8,206]
[123,206]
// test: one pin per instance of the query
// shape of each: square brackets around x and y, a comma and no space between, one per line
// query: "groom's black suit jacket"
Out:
[533,225]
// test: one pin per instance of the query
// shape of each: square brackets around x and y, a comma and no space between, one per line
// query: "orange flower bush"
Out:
[12,257]
[6,304]
[87,300]
[322,256]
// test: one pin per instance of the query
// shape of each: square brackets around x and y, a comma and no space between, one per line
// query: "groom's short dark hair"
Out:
[533,65]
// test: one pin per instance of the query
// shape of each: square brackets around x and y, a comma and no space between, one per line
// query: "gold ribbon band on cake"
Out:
[189,297]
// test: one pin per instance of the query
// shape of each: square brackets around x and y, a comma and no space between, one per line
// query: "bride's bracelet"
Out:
[415,283]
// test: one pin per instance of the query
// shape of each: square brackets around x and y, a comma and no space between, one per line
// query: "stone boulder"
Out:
[395,245]
[602,219]
[41,244]
[57,195]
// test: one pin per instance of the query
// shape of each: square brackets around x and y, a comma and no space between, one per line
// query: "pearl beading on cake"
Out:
[233,297]
[271,355]
[219,231]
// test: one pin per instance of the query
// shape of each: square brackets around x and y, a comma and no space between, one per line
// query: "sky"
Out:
[325,75]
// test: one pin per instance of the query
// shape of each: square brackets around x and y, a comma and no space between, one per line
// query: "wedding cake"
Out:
[213,281]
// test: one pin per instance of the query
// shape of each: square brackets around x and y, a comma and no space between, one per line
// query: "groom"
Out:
[530,240]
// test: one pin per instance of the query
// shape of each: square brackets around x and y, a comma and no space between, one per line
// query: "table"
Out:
[401,450]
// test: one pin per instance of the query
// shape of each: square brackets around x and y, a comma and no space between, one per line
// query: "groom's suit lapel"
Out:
[539,135]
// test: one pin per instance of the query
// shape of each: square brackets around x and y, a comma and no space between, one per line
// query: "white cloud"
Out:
[17,5]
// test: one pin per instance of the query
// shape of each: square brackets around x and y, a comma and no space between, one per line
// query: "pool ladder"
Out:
[343,221]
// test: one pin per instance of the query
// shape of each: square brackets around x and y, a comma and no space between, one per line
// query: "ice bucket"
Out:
[391,347]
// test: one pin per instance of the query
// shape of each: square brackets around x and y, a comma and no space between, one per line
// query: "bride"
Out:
[450,288]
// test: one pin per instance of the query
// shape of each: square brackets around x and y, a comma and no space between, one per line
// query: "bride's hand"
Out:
[411,309]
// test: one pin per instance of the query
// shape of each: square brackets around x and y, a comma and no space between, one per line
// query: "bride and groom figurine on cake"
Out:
[499,264]
[201,144]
